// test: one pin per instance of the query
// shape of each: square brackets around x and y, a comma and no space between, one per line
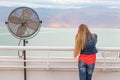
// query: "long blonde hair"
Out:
[80,39]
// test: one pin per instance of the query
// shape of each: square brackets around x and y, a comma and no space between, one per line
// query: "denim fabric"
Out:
[90,45]
[85,70]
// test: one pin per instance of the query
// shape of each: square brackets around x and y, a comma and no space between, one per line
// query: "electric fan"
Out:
[23,23]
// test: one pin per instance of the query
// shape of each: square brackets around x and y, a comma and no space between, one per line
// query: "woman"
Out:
[85,45]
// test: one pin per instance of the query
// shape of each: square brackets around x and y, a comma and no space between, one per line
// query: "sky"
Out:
[57,3]
[61,17]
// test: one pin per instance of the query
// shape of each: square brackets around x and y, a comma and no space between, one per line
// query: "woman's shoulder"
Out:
[94,35]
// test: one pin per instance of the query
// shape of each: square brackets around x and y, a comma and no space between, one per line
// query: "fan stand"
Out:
[24,57]
[19,21]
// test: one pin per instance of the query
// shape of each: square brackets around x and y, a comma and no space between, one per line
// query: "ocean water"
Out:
[107,37]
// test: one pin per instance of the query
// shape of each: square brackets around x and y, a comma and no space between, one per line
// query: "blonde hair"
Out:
[80,39]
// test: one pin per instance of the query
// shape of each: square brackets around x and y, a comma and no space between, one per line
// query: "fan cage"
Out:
[28,36]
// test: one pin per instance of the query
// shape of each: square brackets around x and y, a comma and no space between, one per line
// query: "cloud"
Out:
[68,1]
[63,1]
[16,4]
[73,1]
[113,7]
[36,4]
[63,4]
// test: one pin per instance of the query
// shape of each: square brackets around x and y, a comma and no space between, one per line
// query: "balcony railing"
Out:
[109,59]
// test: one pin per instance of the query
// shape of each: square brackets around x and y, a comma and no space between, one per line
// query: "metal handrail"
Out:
[53,48]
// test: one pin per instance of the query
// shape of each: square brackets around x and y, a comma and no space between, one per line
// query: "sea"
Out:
[63,37]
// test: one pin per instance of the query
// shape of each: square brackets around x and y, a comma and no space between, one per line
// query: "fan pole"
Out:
[24,54]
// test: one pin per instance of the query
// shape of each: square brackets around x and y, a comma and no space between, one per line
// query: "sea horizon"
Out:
[58,37]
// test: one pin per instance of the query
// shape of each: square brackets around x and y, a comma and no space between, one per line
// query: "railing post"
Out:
[118,54]
[104,63]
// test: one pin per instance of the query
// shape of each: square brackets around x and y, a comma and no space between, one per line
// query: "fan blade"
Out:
[21,30]
[32,24]
[27,13]
[15,20]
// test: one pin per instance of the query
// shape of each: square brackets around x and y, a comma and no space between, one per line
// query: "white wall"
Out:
[56,75]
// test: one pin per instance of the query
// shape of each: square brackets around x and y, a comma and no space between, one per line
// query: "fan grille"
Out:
[23,22]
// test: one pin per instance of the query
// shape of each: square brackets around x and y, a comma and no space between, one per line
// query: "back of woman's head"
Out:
[83,29]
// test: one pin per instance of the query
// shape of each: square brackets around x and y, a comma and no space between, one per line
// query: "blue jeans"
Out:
[85,70]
